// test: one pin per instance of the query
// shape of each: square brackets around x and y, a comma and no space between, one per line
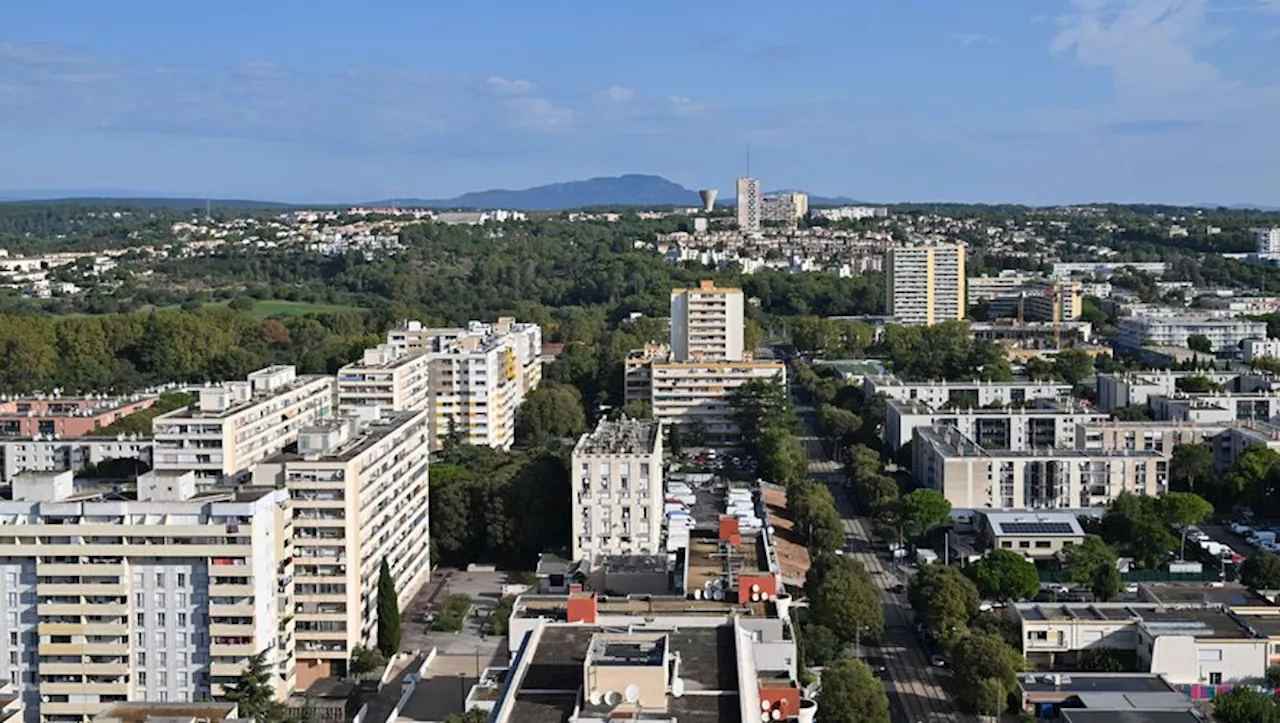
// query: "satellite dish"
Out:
[611,698]
[594,697]
[718,594]
[697,594]
[755,587]
[632,693]
[775,714]
[765,705]
[677,687]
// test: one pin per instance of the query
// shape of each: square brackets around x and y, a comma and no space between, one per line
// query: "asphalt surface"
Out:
[915,688]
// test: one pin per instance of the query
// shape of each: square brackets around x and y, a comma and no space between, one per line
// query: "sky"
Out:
[1027,101]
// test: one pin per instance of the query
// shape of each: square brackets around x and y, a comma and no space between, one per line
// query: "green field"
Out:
[275,307]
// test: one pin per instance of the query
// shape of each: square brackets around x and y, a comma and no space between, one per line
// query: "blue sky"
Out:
[1036,101]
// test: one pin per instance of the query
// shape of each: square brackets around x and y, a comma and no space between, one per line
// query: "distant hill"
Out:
[177,204]
[628,190]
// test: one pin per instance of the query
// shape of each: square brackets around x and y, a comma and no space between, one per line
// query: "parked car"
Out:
[1131,588]
[938,661]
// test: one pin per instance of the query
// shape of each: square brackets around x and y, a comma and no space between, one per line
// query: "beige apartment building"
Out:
[479,377]
[707,322]
[972,477]
[617,490]
[163,594]
[925,284]
[358,487]
[233,426]
[388,377]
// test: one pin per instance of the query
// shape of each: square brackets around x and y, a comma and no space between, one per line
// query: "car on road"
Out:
[878,668]
[938,661]
[898,588]
[1131,588]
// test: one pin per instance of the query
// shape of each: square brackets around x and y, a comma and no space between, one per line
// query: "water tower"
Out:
[708,199]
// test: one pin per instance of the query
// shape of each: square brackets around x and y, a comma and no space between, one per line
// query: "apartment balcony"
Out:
[232,610]
[70,708]
[77,589]
[120,688]
[121,648]
[227,670]
[72,629]
[120,668]
[232,650]
[72,569]
[1054,642]
[236,591]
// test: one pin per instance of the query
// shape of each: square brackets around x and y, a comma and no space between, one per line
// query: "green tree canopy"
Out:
[1106,582]
[979,657]
[944,599]
[1183,509]
[1261,571]
[780,456]
[1005,575]
[851,694]
[1083,560]
[924,509]
[1073,365]
[254,693]
[1245,705]
[843,598]
[388,613]
[552,411]
[1200,343]
[1191,464]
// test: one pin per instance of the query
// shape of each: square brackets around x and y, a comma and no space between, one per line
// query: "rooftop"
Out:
[555,607]
[1199,622]
[623,436]
[142,712]
[1094,683]
[1213,593]
[709,560]
[1129,716]
[950,442]
[1042,524]
[793,555]
[367,435]
[56,406]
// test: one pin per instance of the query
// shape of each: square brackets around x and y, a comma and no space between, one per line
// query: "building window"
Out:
[159,599]
[140,658]
[182,619]
[142,677]
[1024,544]
[181,600]
[142,620]
[140,599]
[1006,544]
[160,619]
[1042,544]
[1215,679]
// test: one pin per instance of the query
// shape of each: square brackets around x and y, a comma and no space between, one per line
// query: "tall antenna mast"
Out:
[748,160]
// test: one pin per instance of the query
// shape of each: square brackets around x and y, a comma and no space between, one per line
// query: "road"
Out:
[915,688]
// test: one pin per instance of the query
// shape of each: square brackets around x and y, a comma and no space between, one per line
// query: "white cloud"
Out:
[619,93]
[539,114]
[970,39]
[509,85]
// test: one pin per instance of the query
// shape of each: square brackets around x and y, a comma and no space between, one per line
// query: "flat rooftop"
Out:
[552,683]
[1200,622]
[555,607]
[1229,594]
[622,436]
[1094,683]
[709,560]
[1033,524]
[370,434]
[1129,716]
[141,712]
[951,443]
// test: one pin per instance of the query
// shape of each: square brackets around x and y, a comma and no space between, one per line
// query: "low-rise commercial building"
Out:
[358,486]
[66,417]
[233,426]
[973,477]
[387,377]
[1033,534]
[618,490]
[1190,645]
[163,594]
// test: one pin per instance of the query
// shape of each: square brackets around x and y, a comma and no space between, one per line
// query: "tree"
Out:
[253,692]
[475,715]
[364,661]
[1005,575]
[1191,463]
[761,404]
[552,411]
[944,599]
[1250,470]
[837,423]
[1083,560]
[1198,384]
[675,440]
[821,645]
[1132,413]
[980,657]
[1073,365]
[1106,582]
[851,694]
[1245,705]
[1273,676]
[843,598]
[1150,541]
[1261,571]
[1102,660]
[923,509]
[781,457]
[1200,343]
[1183,509]
[388,613]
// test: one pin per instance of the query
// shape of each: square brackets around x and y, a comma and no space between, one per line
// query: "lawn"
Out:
[276,307]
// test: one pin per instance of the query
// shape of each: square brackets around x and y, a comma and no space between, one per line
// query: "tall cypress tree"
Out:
[388,613]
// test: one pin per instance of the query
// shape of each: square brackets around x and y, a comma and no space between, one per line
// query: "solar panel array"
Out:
[1036,528]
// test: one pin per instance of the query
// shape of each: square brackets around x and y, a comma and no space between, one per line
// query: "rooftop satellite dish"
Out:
[677,687]
[632,693]
[718,594]
[611,698]
[595,697]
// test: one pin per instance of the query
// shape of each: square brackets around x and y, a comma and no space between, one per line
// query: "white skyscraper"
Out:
[925,284]
[750,204]
[707,323]
[618,490]
[1268,242]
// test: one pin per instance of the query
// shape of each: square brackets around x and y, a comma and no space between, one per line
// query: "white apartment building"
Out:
[786,207]
[479,376]
[233,426]
[1105,269]
[851,213]
[1224,334]
[1255,349]
[359,488]
[617,489]
[1216,408]
[963,394]
[388,377]
[925,284]
[46,454]
[1268,242]
[163,594]
[1043,424]
[972,477]
[1054,301]
[1137,388]
[707,323]
[695,395]
[750,203]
